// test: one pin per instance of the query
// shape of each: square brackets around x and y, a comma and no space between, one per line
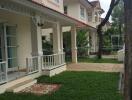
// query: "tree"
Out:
[118,21]
[128,50]
[99,30]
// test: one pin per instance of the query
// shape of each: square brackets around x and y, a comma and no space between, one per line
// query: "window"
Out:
[96,17]
[65,9]
[57,1]
[82,12]
[89,16]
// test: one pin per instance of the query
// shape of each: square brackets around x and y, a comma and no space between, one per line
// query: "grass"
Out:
[76,86]
[95,60]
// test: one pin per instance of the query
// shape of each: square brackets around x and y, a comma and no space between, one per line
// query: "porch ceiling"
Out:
[52,15]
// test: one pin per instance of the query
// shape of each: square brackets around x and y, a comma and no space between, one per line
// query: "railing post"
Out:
[6,71]
[27,66]
[39,64]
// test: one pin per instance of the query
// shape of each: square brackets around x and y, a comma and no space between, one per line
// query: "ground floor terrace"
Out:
[21,52]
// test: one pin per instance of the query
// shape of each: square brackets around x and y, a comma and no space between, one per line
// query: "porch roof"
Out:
[58,16]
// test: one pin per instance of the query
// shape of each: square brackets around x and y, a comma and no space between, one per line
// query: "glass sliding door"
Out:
[2,43]
[11,47]
[0,49]
[1,32]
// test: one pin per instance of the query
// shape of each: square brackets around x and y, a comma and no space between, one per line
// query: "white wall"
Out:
[52,4]
[73,9]
[46,33]
[23,35]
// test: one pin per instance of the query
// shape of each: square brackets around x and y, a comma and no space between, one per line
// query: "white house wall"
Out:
[46,33]
[52,4]
[73,9]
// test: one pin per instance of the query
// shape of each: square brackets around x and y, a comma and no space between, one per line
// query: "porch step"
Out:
[17,81]
[20,86]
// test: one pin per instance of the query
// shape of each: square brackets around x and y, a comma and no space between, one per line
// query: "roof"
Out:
[94,3]
[97,5]
[89,2]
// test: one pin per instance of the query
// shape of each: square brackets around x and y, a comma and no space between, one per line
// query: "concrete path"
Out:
[102,67]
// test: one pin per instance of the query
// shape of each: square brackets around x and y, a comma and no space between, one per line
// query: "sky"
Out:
[105,5]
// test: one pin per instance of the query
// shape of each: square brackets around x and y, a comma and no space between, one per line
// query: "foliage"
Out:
[47,47]
[118,18]
[116,28]
[100,26]
[82,42]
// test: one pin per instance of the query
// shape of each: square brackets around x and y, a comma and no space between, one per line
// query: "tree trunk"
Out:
[128,50]
[100,35]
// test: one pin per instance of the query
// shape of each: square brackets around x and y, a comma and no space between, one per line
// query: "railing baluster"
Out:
[51,61]
[3,72]
[32,64]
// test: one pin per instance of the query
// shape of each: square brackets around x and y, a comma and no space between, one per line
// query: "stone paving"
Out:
[101,67]
[41,89]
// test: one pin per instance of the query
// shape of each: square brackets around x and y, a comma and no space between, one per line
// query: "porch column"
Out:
[36,40]
[61,39]
[56,38]
[74,44]
[57,43]
[88,38]
[93,41]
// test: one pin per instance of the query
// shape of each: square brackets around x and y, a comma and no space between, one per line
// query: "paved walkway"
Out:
[103,67]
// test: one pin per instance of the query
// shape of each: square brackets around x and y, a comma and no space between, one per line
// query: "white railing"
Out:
[52,61]
[32,65]
[3,72]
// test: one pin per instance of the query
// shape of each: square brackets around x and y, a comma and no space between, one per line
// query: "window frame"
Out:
[82,12]
[57,1]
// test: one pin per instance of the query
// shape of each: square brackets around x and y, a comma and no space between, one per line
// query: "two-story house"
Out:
[21,29]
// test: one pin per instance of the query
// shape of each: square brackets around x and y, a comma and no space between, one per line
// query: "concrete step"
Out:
[17,81]
[20,86]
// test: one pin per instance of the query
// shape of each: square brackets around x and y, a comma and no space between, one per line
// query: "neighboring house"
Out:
[107,25]
[21,29]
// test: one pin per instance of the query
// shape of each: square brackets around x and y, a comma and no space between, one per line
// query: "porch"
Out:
[48,62]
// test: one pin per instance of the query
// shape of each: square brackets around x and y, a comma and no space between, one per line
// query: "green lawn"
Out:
[95,60]
[76,86]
